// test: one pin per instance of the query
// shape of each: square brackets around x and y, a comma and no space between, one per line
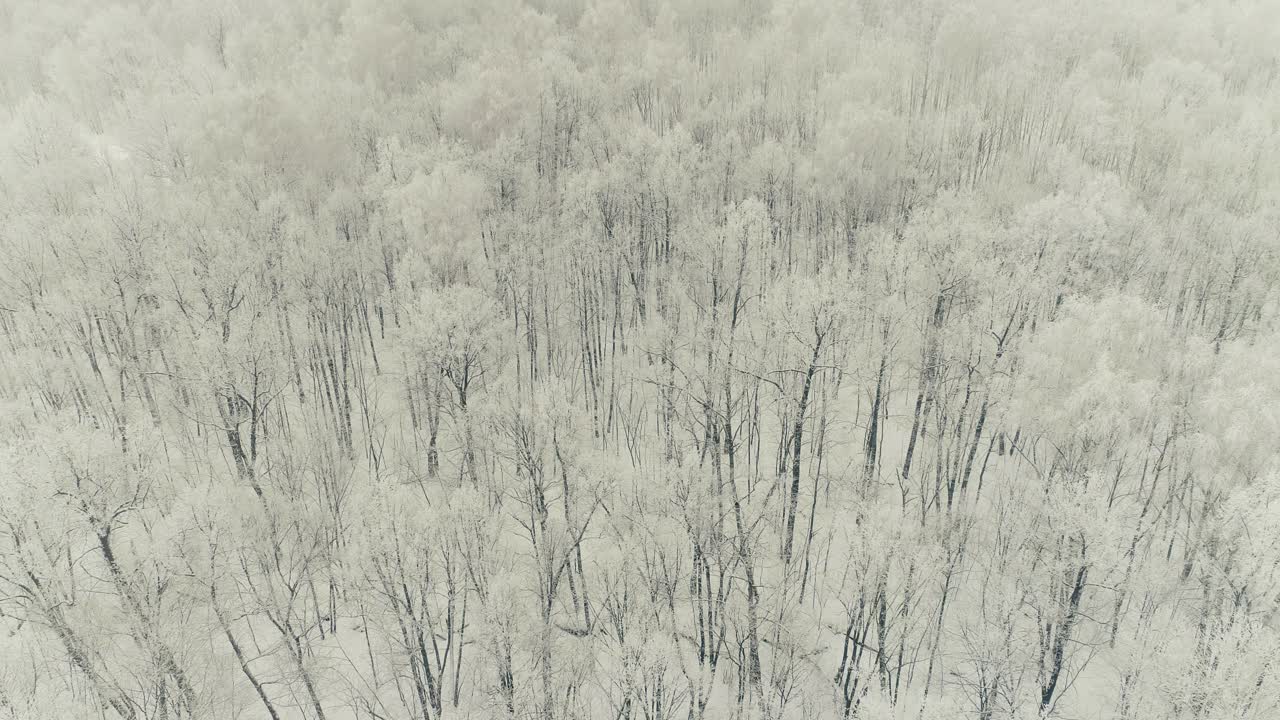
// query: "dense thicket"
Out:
[639,360]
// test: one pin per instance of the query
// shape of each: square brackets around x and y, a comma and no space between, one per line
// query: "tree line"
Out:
[639,360]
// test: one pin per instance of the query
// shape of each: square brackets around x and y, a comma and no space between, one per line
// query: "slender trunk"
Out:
[240,658]
[1063,636]
[797,443]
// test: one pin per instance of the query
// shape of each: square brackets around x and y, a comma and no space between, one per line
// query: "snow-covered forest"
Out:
[639,359]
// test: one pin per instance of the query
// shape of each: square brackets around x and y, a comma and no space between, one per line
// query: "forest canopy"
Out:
[372,360]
